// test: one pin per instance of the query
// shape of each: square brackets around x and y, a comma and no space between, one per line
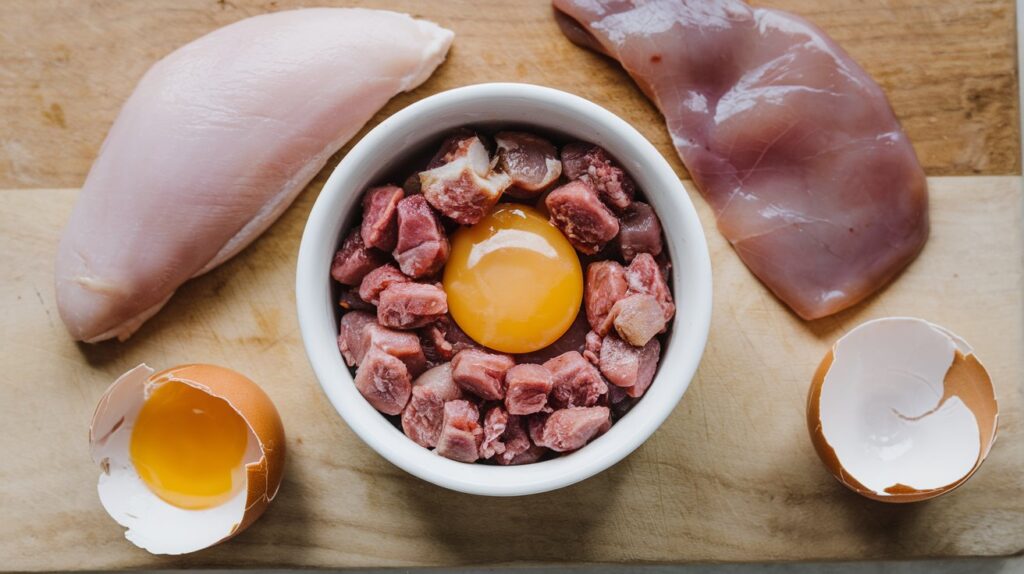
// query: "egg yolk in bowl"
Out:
[514,283]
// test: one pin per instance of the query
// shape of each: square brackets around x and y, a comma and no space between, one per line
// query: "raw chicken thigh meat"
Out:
[216,141]
[793,145]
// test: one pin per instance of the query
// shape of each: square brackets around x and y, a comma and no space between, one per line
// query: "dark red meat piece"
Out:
[481,373]
[575,381]
[379,228]
[354,260]
[422,246]
[411,305]
[593,164]
[384,381]
[639,231]
[424,413]
[461,434]
[527,389]
[529,160]
[578,213]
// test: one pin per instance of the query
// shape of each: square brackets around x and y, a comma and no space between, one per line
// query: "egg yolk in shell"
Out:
[514,283]
[188,447]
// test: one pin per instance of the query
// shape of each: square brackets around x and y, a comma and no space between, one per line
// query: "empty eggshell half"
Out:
[900,410]
[152,523]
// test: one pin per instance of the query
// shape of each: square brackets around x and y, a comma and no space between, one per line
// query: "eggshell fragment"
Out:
[152,523]
[901,410]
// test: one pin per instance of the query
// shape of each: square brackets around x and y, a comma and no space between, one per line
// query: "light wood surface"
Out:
[731,475]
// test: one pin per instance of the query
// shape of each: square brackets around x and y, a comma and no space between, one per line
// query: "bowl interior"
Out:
[388,153]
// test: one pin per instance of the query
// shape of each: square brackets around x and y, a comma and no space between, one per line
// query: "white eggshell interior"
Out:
[882,411]
[152,523]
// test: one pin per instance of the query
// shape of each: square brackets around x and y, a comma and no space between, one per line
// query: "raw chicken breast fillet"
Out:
[795,147]
[216,141]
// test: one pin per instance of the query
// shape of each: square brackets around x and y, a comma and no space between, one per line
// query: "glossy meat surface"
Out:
[793,145]
[215,142]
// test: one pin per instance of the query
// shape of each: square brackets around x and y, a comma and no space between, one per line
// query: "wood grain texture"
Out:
[730,476]
[66,66]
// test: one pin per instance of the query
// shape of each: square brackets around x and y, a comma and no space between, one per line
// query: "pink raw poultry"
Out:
[216,141]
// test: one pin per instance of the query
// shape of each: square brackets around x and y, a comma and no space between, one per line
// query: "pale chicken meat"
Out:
[216,141]
[794,146]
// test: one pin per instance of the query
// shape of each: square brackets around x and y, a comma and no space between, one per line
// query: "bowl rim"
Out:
[686,232]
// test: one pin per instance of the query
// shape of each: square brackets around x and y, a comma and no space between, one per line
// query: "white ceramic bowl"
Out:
[381,154]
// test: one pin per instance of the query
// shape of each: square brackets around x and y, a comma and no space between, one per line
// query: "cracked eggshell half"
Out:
[152,523]
[901,410]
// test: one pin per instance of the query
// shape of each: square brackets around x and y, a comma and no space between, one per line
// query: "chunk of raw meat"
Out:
[571,429]
[404,346]
[574,339]
[639,231]
[529,160]
[638,318]
[384,381]
[481,373]
[422,247]
[461,434]
[794,146]
[577,212]
[466,186]
[624,365]
[424,413]
[592,163]
[378,280]
[495,423]
[644,276]
[575,381]
[354,260]
[213,145]
[518,447]
[592,352]
[527,389]
[436,347]
[379,228]
[350,335]
[349,300]
[411,305]
[603,286]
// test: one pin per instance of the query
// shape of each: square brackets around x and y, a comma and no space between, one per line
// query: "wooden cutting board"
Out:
[730,476]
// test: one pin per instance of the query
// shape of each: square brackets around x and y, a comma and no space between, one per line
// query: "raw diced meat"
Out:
[349,300]
[481,373]
[379,228]
[638,318]
[527,388]
[592,352]
[605,284]
[447,338]
[530,161]
[495,423]
[578,213]
[518,448]
[384,381]
[449,147]
[422,247]
[639,231]
[404,346]
[461,434]
[570,429]
[411,305]
[378,280]
[644,276]
[354,260]
[592,163]
[575,381]
[350,335]
[436,348]
[465,187]
[424,414]
[627,366]
[573,339]
[793,145]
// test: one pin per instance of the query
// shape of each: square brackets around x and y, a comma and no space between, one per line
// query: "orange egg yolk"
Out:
[188,447]
[514,282]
